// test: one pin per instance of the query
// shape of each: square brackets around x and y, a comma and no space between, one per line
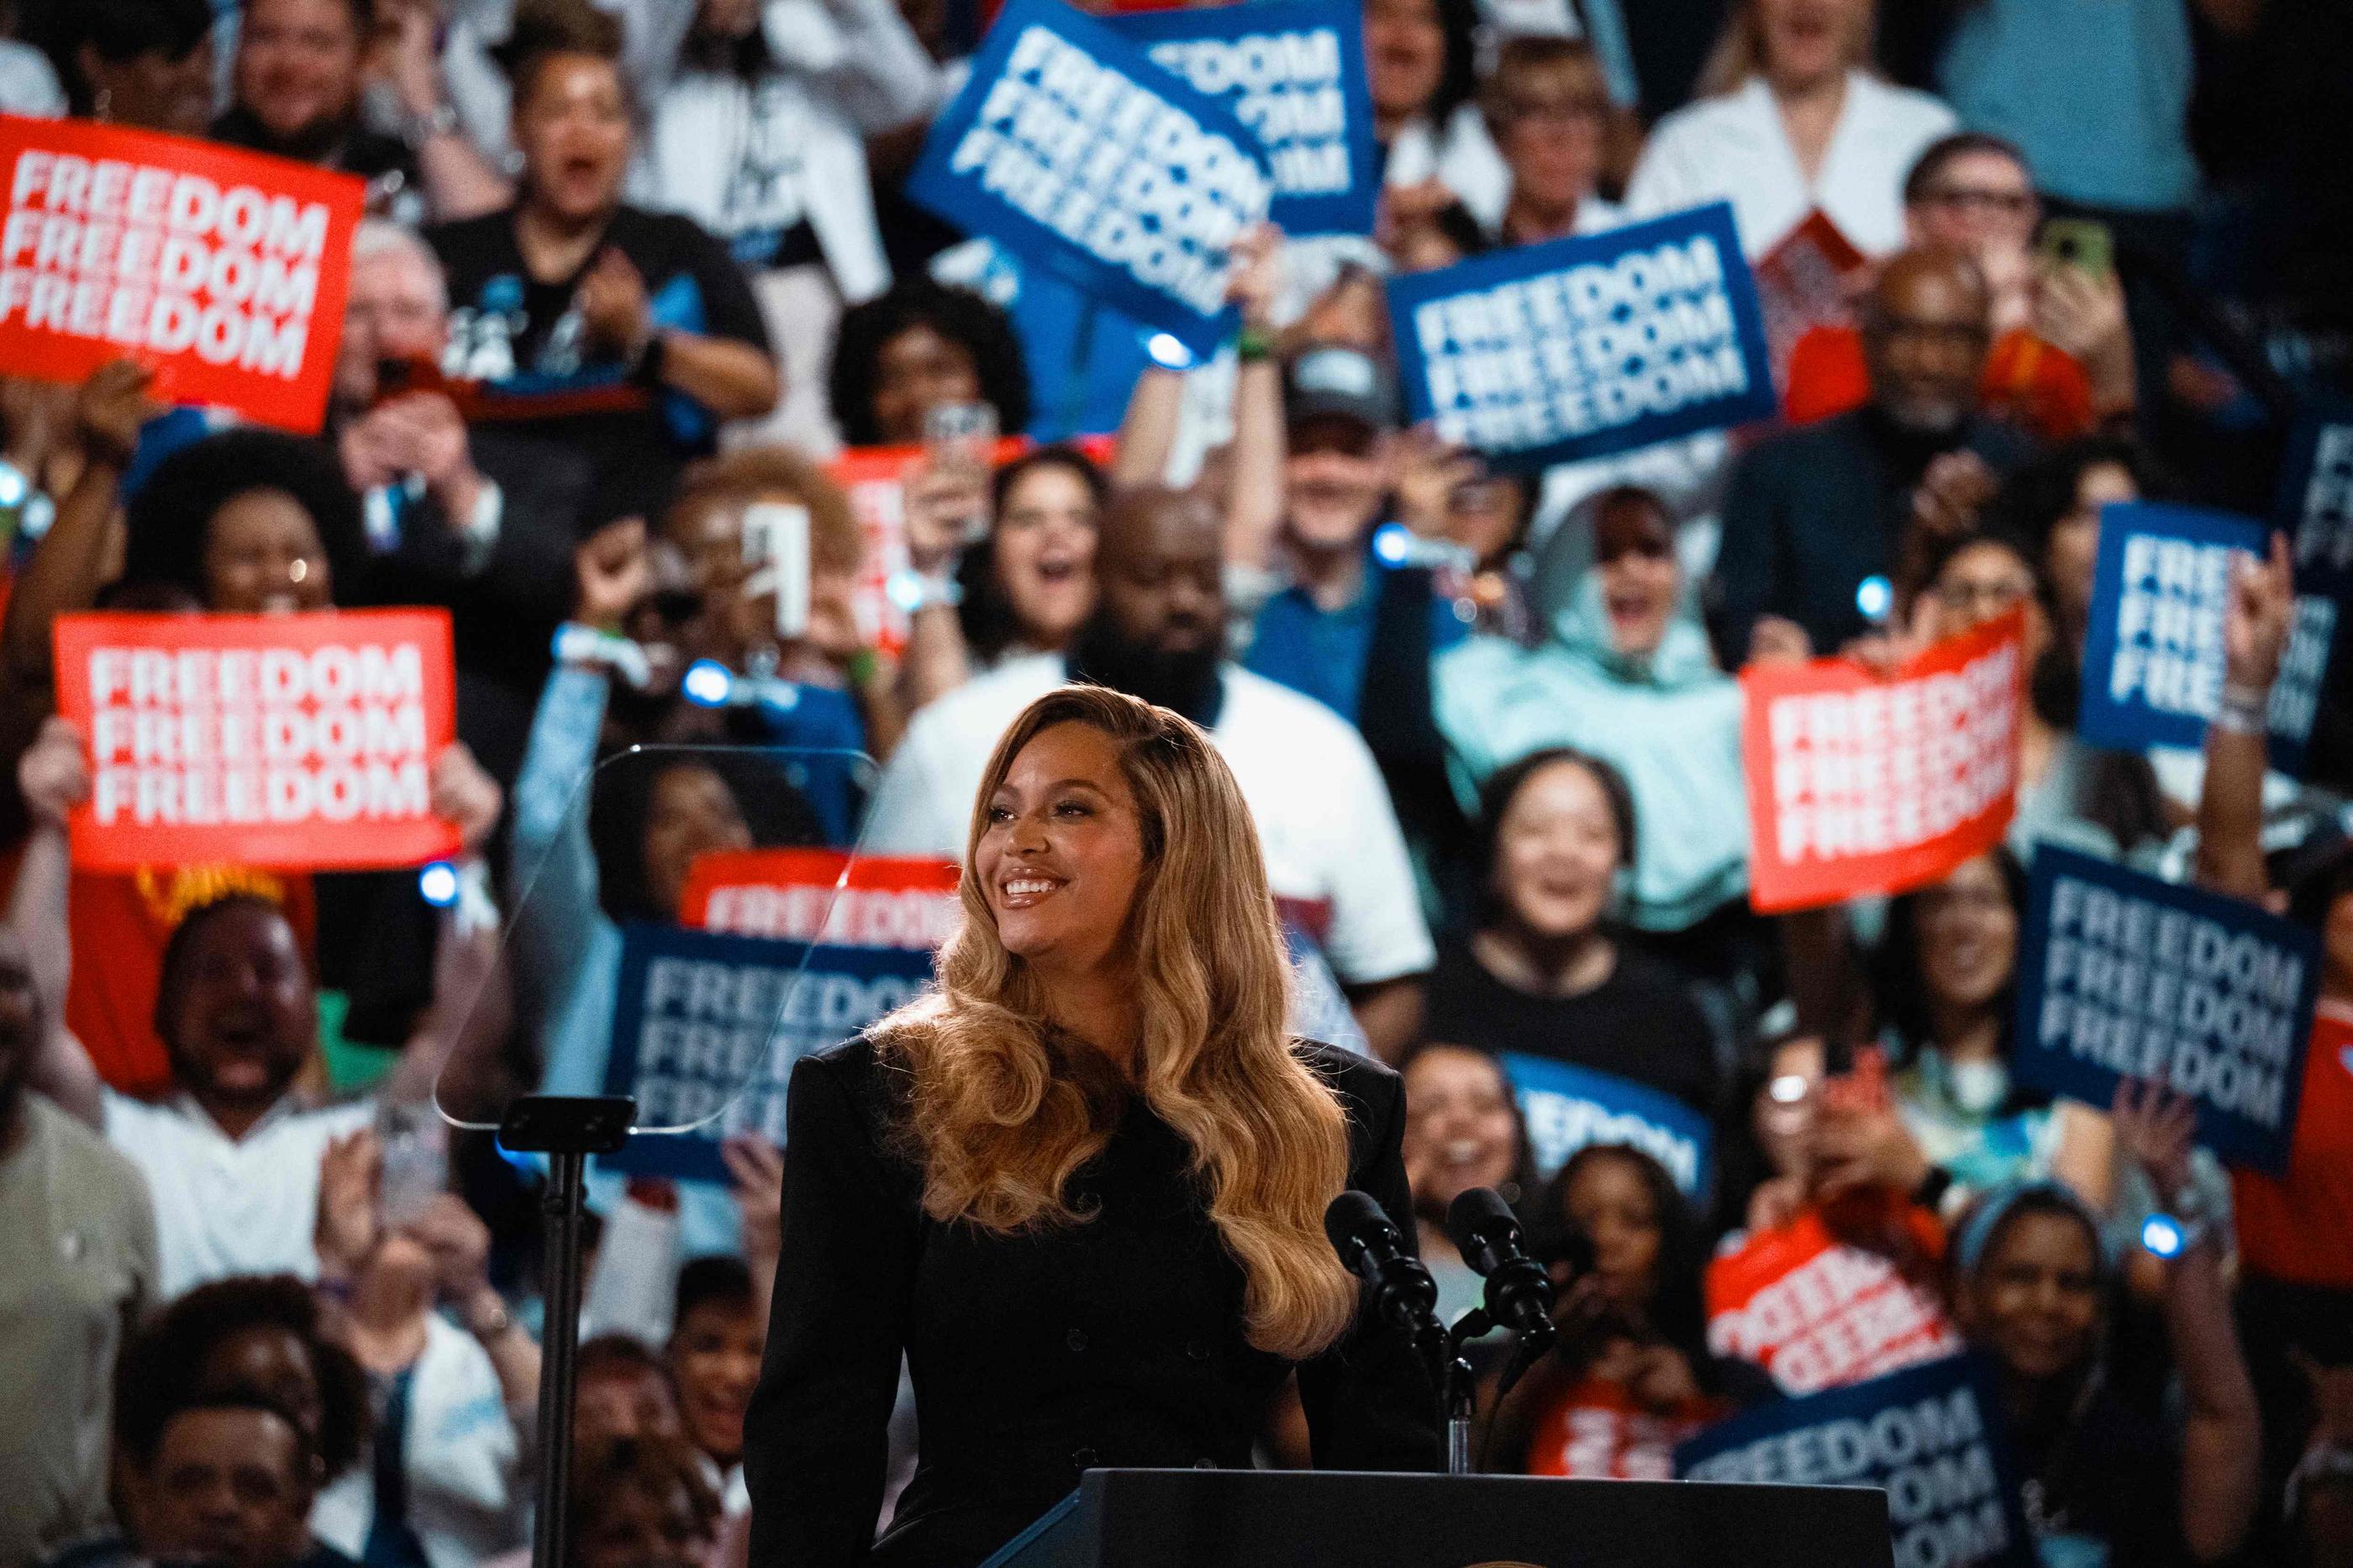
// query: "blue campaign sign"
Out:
[2121,974]
[1293,71]
[1929,1437]
[1566,1108]
[1069,147]
[2153,646]
[1582,347]
[708,1025]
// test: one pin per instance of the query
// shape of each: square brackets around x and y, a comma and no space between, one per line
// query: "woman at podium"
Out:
[1079,1186]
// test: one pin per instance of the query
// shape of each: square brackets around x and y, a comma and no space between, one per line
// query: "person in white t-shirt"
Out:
[1330,836]
[1790,119]
[232,1154]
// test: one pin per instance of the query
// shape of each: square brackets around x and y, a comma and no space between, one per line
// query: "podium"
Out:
[1225,1518]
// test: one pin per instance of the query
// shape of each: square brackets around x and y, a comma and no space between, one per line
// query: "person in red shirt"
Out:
[2062,361]
[2295,1229]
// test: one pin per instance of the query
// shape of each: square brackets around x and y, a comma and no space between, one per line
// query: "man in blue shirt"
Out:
[1319,634]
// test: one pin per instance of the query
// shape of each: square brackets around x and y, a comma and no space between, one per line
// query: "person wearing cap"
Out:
[2111,1469]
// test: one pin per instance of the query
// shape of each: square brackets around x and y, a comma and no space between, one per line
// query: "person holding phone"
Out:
[2060,363]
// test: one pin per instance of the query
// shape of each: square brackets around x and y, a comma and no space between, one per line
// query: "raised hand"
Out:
[2155,1129]
[613,305]
[610,573]
[54,772]
[110,407]
[2256,624]
[351,1176]
[464,795]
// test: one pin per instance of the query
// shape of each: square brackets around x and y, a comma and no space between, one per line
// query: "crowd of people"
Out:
[636,273]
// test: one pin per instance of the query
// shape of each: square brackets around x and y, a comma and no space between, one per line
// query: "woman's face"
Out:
[1044,553]
[1405,54]
[727,19]
[1807,42]
[1981,582]
[714,1358]
[691,812]
[154,92]
[1634,551]
[271,1360]
[572,126]
[263,557]
[1609,1204]
[1556,852]
[1968,936]
[298,64]
[633,1526]
[2074,545]
[914,372]
[2034,1300]
[1460,1130]
[1553,144]
[624,1401]
[1061,850]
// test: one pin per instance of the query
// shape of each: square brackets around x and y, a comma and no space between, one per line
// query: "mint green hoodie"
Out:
[1670,722]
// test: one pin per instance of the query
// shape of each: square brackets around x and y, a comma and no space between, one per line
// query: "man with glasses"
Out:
[2060,363]
[1814,514]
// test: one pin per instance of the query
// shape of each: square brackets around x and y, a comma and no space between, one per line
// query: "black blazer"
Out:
[1113,1342]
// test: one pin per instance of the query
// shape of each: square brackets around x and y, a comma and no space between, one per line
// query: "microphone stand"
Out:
[567,1129]
[1461,1389]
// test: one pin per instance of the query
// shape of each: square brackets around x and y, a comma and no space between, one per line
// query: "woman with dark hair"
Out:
[1633,1375]
[2050,503]
[1462,1130]
[142,63]
[921,346]
[1420,60]
[1025,587]
[2105,803]
[631,334]
[262,1333]
[1081,1187]
[250,521]
[1946,975]
[1544,971]
[2106,1472]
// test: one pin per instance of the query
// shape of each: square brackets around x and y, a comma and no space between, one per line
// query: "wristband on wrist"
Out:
[2243,711]
[1253,344]
[588,647]
[863,667]
[915,592]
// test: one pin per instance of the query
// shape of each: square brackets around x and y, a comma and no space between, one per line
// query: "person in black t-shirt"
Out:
[628,333]
[1543,974]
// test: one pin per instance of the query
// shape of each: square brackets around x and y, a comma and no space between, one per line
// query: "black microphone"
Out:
[1519,1291]
[1370,1246]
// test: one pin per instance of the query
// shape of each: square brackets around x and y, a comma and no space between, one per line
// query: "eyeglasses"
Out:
[2010,204]
[1993,598]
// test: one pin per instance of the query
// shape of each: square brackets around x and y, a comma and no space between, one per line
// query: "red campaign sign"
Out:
[875,480]
[222,270]
[1859,783]
[303,743]
[1817,1312]
[1598,1431]
[802,894]
[1808,280]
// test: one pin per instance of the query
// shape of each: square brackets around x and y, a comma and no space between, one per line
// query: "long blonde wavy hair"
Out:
[1004,1111]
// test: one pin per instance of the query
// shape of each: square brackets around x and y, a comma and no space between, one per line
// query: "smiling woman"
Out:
[1096,1143]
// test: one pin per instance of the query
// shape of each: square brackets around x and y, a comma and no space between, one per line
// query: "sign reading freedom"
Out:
[2121,974]
[1070,146]
[297,742]
[1858,784]
[1581,347]
[221,270]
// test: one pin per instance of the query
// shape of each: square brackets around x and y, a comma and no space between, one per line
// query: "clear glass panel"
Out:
[681,926]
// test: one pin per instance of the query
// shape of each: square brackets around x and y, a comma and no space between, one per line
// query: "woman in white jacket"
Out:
[1791,117]
[760,136]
